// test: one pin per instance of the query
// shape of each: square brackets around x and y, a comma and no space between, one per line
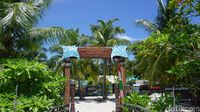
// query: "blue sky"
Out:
[82,13]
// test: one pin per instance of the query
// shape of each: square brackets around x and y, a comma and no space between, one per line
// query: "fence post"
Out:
[15,100]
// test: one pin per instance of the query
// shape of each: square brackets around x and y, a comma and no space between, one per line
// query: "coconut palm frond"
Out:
[147,25]
[36,37]
[112,42]
[162,8]
[123,42]
[18,16]
[118,30]
[84,41]
[110,22]
[50,33]
[104,31]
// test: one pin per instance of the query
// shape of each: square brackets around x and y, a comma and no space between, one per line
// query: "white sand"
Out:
[95,104]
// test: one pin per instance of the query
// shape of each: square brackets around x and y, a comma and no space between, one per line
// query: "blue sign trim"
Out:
[70,52]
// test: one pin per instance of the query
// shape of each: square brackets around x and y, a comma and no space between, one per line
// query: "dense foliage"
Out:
[37,88]
[170,55]
[137,99]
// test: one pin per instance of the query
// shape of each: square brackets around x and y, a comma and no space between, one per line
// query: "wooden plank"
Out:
[95,52]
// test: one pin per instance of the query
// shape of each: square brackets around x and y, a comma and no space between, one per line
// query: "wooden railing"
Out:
[60,108]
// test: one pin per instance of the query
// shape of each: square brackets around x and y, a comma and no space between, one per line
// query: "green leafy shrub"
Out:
[24,104]
[136,99]
[53,89]
[162,103]
[28,75]
[145,101]
[38,88]
[6,104]
[34,103]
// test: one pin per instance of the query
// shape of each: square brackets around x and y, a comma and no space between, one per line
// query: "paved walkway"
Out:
[95,104]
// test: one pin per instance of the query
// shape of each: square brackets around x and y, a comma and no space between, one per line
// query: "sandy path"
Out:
[95,104]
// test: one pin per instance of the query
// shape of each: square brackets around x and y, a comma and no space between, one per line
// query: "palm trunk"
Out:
[80,91]
[104,80]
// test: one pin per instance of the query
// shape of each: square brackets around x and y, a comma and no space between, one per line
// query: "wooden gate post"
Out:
[72,88]
[118,102]
[67,84]
[119,89]
[123,72]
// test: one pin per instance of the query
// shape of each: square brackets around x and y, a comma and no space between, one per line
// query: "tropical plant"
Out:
[24,104]
[136,99]
[187,75]
[188,8]
[161,48]
[165,14]
[36,87]
[162,103]
[159,105]
[104,34]
[166,56]
[17,19]
[152,59]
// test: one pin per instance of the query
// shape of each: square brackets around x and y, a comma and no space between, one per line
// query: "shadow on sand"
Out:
[96,99]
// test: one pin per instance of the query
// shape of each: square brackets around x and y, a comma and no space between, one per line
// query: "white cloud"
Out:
[125,37]
[122,36]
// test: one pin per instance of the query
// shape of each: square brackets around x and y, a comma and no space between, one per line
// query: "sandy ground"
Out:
[95,104]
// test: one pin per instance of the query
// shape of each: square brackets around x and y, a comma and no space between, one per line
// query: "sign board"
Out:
[95,52]
[177,89]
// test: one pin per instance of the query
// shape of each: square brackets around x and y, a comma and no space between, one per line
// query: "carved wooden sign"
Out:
[95,52]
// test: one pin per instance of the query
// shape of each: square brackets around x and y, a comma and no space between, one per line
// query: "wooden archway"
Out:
[116,54]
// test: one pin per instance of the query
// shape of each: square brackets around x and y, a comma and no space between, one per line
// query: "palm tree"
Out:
[17,21]
[151,57]
[164,15]
[104,35]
